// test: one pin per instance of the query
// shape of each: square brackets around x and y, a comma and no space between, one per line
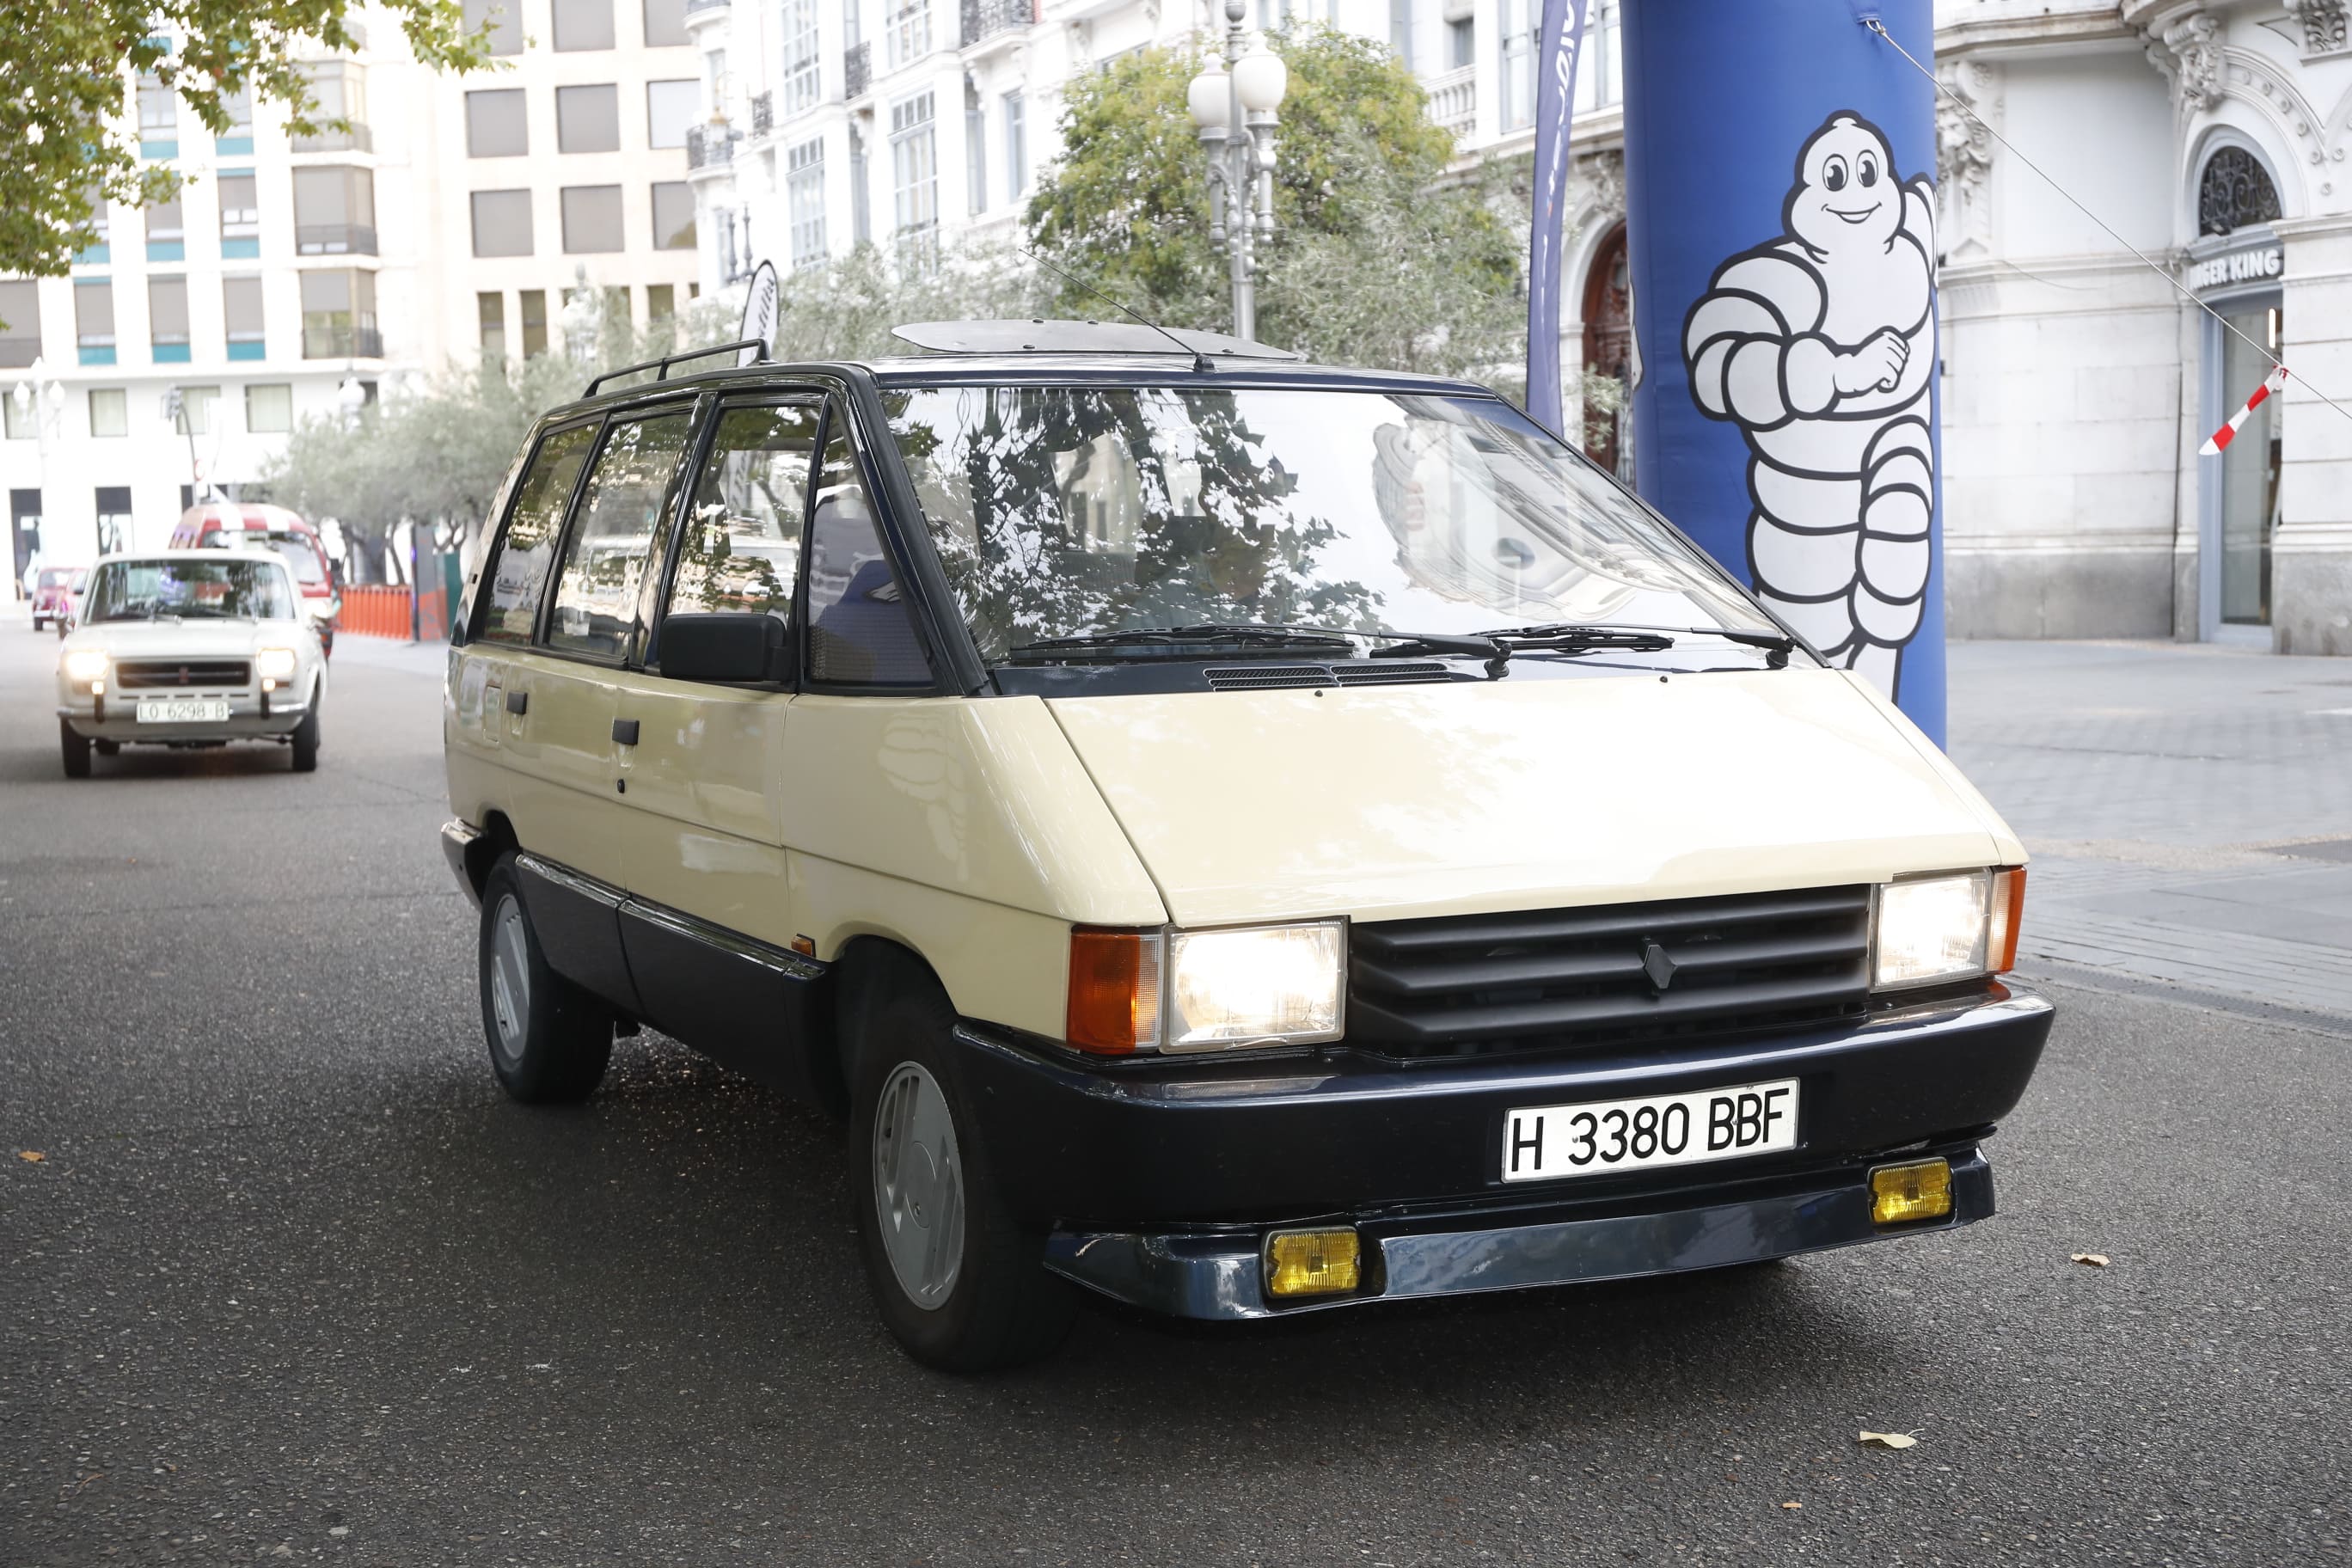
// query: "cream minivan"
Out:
[1238,836]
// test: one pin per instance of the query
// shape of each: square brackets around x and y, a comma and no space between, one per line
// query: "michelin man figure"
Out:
[1820,346]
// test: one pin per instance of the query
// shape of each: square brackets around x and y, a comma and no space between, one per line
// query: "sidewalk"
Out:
[2189,809]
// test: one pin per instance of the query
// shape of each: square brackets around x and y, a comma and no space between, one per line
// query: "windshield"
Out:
[189,590]
[1063,510]
[301,558]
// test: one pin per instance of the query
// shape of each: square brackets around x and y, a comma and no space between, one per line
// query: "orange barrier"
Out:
[376,612]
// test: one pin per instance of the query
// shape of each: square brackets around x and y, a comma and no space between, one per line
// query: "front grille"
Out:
[183,674]
[1280,677]
[1583,979]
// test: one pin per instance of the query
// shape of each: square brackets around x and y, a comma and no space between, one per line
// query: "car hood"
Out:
[1386,803]
[167,640]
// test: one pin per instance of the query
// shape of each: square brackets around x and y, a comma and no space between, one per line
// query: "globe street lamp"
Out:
[1233,106]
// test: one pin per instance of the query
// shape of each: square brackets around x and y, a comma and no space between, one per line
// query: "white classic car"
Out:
[188,648]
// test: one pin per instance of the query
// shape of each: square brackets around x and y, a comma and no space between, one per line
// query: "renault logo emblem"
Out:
[1657,965]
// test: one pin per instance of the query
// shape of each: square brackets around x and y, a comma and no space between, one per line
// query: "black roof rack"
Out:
[1041,336]
[660,367]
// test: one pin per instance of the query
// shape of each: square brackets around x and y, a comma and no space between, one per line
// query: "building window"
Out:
[496,126]
[167,320]
[1461,44]
[664,23]
[109,412]
[241,309]
[670,108]
[803,81]
[194,414]
[20,322]
[1016,145]
[588,118]
[673,216]
[975,156]
[113,517]
[167,231]
[861,205]
[1401,31]
[269,409]
[240,207]
[340,88]
[334,212]
[2235,192]
[159,120]
[490,314]
[503,18]
[339,316]
[591,219]
[908,30]
[915,176]
[533,317]
[1518,74]
[94,320]
[502,223]
[583,25]
[661,302]
[23,423]
[804,201]
[96,254]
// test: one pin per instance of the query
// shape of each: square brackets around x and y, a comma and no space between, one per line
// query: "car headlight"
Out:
[85,664]
[1207,990]
[274,663]
[1932,928]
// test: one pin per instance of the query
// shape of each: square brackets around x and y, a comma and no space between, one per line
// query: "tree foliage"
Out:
[1382,256]
[66,82]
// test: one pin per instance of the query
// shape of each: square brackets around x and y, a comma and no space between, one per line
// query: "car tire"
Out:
[549,1039]
[107,748]
[74,750]
[961,1285]
[38,626]
[306,740]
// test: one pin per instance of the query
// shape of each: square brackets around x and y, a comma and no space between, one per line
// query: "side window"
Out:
[604,557]
[517,577]
[741,548]
[860,631]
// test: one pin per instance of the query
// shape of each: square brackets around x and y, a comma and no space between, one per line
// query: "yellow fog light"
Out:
[1311,1262]
[1902,1194]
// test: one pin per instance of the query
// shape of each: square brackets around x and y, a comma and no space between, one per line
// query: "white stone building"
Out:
[291,275]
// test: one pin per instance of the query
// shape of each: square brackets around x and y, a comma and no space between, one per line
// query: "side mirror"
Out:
[739,647]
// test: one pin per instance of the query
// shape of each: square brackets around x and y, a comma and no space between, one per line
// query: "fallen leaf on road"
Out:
[1792,1505]
[2096,1259]
[31,1156]
[1887,1439]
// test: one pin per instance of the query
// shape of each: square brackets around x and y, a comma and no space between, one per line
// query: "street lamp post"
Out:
[1233,107]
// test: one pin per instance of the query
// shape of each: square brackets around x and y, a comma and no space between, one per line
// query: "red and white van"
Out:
[218,523]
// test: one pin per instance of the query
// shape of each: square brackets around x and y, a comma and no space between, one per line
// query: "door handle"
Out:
[625,730]
[518,702]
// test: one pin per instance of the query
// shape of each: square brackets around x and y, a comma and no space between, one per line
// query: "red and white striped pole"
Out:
[2227,433]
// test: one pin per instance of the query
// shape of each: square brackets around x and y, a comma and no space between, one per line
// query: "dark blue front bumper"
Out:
[1158,1181]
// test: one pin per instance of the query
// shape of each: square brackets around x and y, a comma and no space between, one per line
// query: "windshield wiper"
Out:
[1498,646]
[1264,635]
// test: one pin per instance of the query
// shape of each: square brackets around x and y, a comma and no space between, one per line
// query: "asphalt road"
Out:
[293,1281]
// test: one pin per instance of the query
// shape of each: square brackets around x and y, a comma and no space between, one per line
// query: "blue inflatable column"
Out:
[1780,213]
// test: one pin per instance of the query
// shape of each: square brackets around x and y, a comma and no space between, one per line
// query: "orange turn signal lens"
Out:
[2007,911]
[1114,991]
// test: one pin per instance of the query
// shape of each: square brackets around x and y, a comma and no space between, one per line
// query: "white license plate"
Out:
[1545,1142]
[185,711]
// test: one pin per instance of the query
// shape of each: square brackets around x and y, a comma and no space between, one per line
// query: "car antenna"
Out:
[1200,360]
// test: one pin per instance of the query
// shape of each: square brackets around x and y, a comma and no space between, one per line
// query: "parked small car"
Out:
[1238,836]
[190,648]
[53,596]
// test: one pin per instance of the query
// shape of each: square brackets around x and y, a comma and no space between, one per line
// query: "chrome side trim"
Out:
[458,837]
[781,960]
[589,888]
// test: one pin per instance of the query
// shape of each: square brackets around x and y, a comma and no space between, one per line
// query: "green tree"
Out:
[66,77]
[1383,255]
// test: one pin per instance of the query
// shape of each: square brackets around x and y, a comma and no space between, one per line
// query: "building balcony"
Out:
[856,71]
[763,113]
[349,139]
[340,342]
[986,19]
[710,146]
[1453,102]
[334,240]
[695,6]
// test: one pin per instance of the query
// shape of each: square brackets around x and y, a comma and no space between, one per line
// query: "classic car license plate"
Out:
[185,711]
[1545,1142]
